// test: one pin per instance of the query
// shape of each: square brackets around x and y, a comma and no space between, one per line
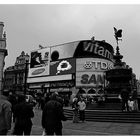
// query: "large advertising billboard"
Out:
[82,49]
[61,67]
[63,51]
[60,62]
[90,71]
[94,49]
[89,79]
[39,62]
[93,64]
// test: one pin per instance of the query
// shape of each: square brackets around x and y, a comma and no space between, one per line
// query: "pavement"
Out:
[88,128]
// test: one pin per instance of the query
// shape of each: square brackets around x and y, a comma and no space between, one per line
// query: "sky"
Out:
[29,25]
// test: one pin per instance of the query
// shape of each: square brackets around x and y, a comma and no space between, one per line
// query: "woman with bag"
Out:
[75,110]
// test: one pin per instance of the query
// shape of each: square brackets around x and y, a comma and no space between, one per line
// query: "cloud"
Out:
[27,26]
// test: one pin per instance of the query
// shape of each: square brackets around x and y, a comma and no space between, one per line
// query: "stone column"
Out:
[3,53]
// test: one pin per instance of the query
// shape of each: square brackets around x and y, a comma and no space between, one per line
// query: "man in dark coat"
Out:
[23,112]
[52,116]
[13,100]
[5,113]
[125,97]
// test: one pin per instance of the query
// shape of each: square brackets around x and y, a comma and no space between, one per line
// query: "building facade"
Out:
[3,53]
[71,67]
[14,76]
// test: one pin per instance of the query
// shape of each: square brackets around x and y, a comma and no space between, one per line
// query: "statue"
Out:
[118,34]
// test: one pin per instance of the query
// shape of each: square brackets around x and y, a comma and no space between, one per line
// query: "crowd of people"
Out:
[18,109]
[78,107]
[129,103]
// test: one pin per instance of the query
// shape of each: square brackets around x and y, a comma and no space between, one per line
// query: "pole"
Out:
[104,83]
[25,81]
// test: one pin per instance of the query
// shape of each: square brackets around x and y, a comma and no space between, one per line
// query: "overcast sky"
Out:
[27,26]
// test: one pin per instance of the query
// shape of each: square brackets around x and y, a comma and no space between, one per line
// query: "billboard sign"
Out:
[61,67]
[93,64]
[63,51]
[39,62]
[62,84]
[94,49]
[89,79]
[49,78]
[90,71]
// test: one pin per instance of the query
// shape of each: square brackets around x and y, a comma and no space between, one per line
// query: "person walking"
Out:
[131,104]
[52,116]
[5,113]
[134,97]
[82,107]
[12,98]
[75,110]
[124,98]
[23,112]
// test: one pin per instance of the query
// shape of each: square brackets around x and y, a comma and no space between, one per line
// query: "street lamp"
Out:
[26,72]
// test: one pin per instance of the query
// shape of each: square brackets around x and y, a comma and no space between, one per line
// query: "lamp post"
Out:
[25,79]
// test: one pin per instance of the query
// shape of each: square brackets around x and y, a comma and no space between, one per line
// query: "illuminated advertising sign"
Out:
[79,49]
[66,66]
[90,71]
[93,64]
[62,84]
[49,78]
[63,51]
[89,79]
[38,85]
[39,62]
[56,63]
[94,49]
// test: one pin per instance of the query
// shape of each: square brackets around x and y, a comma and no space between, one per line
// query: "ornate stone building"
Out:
[14,76]
[3,53]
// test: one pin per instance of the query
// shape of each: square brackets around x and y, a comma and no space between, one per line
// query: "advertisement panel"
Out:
[62,84]
[65,66]
[39,62]
[38,85]
[83,48]
[89,79]
[94,49]
[63,51]
[93,64]
[49,78]
[90,71]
